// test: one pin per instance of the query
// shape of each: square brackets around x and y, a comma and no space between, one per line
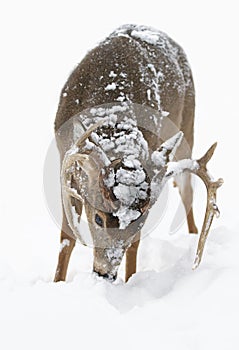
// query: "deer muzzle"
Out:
[107,261]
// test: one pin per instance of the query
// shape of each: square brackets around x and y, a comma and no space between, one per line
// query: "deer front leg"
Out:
[131,258]
[67,245]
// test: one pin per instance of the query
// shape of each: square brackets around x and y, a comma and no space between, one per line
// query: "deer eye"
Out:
[98,220]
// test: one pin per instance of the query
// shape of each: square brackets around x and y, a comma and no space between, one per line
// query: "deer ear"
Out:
[167,150]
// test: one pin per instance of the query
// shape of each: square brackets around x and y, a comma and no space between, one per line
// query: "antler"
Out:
[68,170]
[73,159]
[212,208]
[199,168]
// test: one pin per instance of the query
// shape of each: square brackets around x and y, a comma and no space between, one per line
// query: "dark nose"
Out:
[106,276]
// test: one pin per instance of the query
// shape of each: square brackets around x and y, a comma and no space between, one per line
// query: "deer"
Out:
[124,127]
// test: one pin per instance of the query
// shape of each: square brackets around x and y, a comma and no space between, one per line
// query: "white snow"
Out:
[121,98]
[165,114]
[115,254]
[159,157]
[101,112]
[165,298]
[126,216]
[155,84]
[130,187]
[132,177]
[123,75]
[173,142]
[178,167]
[64,243]
[110,179]
[111,86]
[149,94]
[131,162]
[146,35]
[129,194]
[75,219]
[112,74]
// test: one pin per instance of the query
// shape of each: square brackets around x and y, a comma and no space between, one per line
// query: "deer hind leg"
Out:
[184,181]
[131,258]
[66,247]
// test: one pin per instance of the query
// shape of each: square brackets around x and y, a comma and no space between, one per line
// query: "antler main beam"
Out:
[199,168]
[212,208]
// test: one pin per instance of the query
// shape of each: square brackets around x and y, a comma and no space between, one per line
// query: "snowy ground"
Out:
[165,305]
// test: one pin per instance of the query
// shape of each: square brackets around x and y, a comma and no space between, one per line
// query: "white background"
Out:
[41,42]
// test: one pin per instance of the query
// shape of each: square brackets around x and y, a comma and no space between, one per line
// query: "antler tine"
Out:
[89,131]
[68,192]
[208,155]
[67,195]
[72,193]
[212,208]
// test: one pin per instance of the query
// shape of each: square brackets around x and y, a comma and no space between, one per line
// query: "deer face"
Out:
[110,242]
[117,194]
[116,212]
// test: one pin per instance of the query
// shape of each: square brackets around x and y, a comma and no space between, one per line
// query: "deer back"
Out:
[134,64]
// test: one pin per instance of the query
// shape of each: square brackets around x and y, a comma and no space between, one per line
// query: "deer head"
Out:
[118,192]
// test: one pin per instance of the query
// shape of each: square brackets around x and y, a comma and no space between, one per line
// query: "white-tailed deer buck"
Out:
[124,126]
